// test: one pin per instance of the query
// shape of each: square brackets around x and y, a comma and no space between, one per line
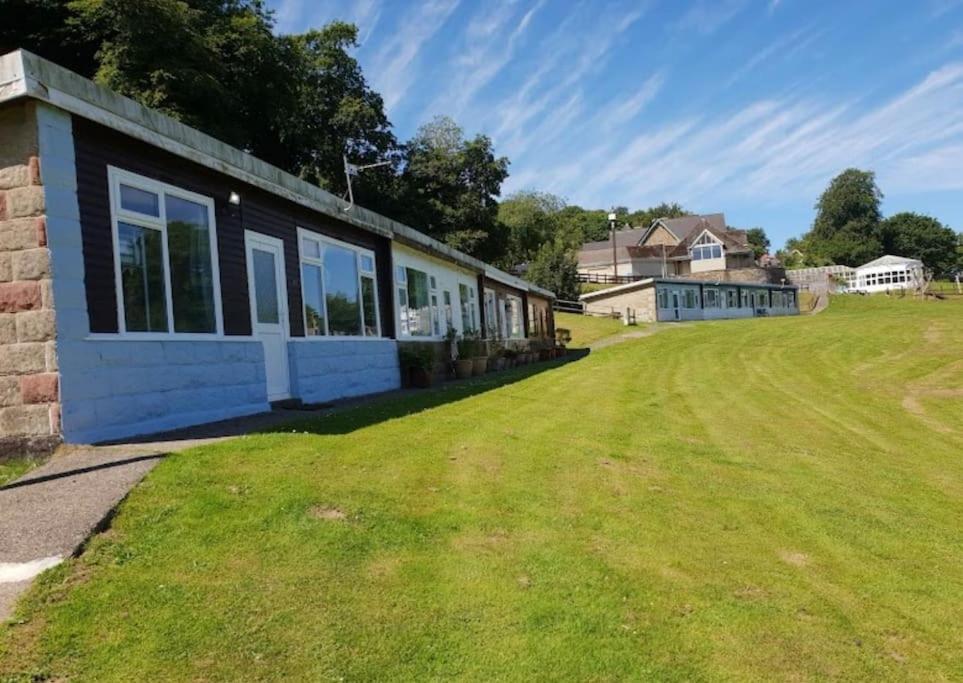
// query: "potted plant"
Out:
[417,362]
[464,364]
[496,360]
[511,357]
[480,360]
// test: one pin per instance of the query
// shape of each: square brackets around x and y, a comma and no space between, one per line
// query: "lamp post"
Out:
[615,260]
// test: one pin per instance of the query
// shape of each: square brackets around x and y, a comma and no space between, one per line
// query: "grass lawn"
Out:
[587,329]
[761,499]
[15,467]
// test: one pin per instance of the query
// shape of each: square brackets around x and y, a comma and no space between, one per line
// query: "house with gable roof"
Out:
[687,246]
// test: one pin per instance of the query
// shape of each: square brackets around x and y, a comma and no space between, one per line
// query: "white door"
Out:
[269,308]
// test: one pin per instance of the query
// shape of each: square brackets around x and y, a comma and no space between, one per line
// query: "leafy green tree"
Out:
[577,225]
[921,237]
[847,222]
[300,102]
[555,268]
[449,188]
[758,241]
[644,217]
[531,219]
[48,28]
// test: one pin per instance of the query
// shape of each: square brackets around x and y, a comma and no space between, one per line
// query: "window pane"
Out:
[465,301]
[367,264]
[310,248]
[419,310]
[142,278]
[192,274]
[265,288]
[341,291]
[141,201]
[370,307]
[717,251]
[313,301]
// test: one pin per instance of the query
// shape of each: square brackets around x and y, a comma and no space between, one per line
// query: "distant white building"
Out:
[885,274]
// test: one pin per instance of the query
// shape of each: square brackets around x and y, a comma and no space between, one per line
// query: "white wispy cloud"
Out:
[625,110]
[297,16]
[773,5]
[485,52]
[555,88]
[708,16]
[783,47]
[392,69]
[789,148]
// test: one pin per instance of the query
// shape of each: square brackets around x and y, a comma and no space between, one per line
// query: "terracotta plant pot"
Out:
[420,378]
[499,363]
[464,367]
[479,365]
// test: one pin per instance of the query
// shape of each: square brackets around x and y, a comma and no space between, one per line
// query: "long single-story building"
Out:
[153,277]
[670,299]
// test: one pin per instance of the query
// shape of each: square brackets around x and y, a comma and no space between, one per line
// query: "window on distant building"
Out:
[706,247]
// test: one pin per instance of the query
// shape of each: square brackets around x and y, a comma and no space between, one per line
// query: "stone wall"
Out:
[29,380]
[325,370]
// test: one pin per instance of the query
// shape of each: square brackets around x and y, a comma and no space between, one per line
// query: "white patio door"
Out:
[269,308]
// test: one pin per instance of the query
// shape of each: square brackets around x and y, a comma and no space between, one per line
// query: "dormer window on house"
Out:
[706,247]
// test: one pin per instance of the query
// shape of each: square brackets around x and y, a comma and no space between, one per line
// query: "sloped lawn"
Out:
[744,500]
[588,329]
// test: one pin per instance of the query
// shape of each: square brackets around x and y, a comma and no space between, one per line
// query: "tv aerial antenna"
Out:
[351,170]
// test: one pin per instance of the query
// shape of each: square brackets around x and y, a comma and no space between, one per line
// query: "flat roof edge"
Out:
[23,73]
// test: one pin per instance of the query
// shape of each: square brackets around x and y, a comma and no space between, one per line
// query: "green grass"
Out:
[14,468]
[587,329]
[763,499]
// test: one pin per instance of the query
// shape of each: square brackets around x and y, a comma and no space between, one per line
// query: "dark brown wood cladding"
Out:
[98,147]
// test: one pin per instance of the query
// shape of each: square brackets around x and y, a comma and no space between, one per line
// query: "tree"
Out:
[644,217]
[555,268]
[921,237]
[300,102]
[577,226]
[531,219]
[847,221]
[48,28]
[449,188]
[758,241]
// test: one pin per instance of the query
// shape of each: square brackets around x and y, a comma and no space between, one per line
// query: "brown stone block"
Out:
[9,391]
[14,176]
[35,326]
[39,388]
[41,228]
[23,359]
[33,419]
[33,170]
[20,233]
[24,201]
[20,296]
[8,328]
[31,264]
[6,267]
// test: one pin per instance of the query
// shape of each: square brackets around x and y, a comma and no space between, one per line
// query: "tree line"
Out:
[849,229]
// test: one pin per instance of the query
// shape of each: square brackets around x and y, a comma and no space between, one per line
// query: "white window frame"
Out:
[513,302]
[401,282]
[706,241]
[117,176]
[322,240]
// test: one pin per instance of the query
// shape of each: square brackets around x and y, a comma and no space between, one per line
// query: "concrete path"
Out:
[48,514]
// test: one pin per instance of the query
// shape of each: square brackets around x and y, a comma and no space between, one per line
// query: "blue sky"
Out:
[748,107]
